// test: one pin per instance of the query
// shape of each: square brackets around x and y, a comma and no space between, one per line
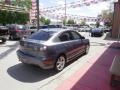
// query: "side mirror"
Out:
[82,37]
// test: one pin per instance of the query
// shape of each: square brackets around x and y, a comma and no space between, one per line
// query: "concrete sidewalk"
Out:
[95,74]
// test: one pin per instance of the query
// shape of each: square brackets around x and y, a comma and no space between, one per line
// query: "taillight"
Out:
[43,48]
[48,61]
[17,30]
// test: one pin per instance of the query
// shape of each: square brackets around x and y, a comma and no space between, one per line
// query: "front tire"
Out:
[87,49]
[3,40]
[92,35]
[60,63]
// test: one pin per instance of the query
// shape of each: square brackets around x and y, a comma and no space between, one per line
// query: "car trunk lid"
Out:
[33,48]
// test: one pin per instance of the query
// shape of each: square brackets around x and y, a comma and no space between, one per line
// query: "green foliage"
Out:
[45,21]
[97,24]
[83,22]
[64,22]
[2,1]
[107,15]
[9,17]
[70,21]
[22,3]
[42,20]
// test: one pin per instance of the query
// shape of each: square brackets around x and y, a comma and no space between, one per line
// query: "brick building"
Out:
[116,20]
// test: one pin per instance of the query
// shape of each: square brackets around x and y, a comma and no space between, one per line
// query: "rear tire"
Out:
[92,35]
[11,37]
[60,63]
[3,40]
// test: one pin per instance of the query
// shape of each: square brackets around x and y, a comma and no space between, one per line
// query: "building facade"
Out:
[116,20]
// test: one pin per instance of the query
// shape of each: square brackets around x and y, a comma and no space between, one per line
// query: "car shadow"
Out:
[2,42]
[29,73]
[12,48]
[97,44]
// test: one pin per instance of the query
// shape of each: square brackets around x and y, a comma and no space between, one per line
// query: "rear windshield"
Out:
[42,35]
[3,28]
[21,27]
[33,27]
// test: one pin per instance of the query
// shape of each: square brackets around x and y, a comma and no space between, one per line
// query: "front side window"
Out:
[75,35]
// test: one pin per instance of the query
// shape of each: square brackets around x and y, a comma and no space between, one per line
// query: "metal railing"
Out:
[12,8]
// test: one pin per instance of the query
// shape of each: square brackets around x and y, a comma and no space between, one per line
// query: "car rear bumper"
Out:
[4,36]
[41,62]
[97,34]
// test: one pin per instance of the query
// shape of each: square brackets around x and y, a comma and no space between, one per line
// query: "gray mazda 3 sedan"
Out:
[52,48]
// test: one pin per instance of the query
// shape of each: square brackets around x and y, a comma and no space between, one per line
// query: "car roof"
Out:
[96,29]
[55,30]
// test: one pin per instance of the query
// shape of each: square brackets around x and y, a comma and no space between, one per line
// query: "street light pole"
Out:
[37,1]
[65,12]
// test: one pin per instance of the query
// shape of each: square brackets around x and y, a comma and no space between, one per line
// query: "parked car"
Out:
[97,32]
[52,48]
[107,29]
[18,31]
[84,28]
[33,29]
[50,26]
[4,33]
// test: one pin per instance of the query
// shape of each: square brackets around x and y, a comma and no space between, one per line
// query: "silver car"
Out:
[52,48]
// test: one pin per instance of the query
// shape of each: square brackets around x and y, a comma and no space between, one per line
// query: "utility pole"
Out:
[37,1]
[65,12]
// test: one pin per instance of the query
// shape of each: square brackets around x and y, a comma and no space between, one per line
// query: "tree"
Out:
[47,21]
[9,17]
[70,21]
[64,22]
[99,17]
[97,24]
[83,22]
[107,16]
[23,3]
[2,1]
[42,20]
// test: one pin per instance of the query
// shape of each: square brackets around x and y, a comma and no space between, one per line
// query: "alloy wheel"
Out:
[60,63]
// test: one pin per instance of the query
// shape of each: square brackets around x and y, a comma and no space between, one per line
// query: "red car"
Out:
[18,31]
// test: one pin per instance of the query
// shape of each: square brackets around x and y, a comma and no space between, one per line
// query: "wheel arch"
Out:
[62,54]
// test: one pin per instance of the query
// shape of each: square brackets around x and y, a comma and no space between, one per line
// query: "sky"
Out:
[92,10]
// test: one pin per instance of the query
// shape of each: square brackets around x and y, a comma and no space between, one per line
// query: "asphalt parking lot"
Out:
[16,76]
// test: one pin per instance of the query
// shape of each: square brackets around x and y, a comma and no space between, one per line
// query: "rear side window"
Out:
[21,27]
[64,36]
[11,27]
[33,27]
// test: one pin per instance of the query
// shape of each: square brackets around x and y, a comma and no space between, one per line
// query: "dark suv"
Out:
[18,31]
[4,33]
